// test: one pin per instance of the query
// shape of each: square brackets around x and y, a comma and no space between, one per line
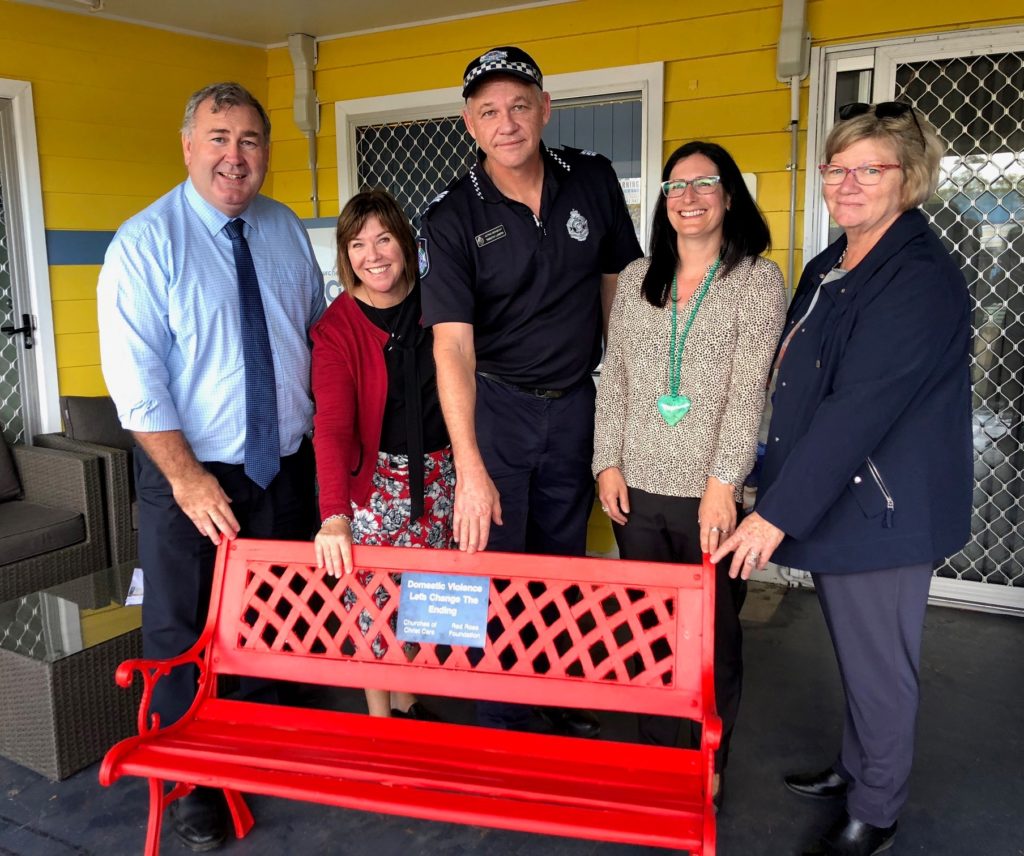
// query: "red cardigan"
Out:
[350,387]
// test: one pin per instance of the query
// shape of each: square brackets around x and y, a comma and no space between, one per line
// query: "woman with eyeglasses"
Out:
[690,341]
[866,478]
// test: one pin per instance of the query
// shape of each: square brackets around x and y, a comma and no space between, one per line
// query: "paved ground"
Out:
[967,796]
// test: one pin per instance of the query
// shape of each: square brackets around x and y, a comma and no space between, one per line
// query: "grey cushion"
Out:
[28,530]
[94,420]
[10,485]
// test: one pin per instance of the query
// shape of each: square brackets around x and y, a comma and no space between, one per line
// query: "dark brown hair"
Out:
[359,209]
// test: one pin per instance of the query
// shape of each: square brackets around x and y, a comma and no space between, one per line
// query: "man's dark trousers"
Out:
[177,560]
[538,452]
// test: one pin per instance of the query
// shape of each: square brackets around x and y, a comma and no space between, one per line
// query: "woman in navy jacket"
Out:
[866,476]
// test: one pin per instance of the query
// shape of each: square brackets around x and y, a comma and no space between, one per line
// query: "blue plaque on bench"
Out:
[446,610]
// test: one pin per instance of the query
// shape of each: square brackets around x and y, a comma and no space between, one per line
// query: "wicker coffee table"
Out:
[60,709]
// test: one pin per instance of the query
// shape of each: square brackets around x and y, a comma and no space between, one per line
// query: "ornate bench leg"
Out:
[240,814]
[156,815]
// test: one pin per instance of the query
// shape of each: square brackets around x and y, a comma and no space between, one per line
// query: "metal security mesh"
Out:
[415,160]
[11,424]
[976,105]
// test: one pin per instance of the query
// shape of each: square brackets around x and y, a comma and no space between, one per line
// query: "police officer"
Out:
[519,261]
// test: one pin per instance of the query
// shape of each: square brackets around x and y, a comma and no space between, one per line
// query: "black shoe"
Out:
[575,723]
[851,837]
[200,820]
[417,710]
[824,785]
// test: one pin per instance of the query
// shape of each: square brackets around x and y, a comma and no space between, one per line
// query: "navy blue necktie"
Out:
[262,444]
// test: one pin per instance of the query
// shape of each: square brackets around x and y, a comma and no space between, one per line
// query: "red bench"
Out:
[591,633]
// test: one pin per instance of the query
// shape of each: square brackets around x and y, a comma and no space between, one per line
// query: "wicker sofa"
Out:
[52,524]
[91,427]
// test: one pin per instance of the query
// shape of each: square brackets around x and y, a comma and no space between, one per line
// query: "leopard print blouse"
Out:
[725,364]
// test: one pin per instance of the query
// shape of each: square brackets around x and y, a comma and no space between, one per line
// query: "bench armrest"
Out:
[153,670]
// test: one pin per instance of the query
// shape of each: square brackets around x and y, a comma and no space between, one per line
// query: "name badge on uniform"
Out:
[496,233]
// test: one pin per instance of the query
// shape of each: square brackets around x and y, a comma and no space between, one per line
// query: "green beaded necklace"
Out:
[674,406]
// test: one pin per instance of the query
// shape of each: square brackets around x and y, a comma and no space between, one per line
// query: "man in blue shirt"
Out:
[205,299]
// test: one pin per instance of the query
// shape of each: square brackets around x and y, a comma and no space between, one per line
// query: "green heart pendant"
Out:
[673,408]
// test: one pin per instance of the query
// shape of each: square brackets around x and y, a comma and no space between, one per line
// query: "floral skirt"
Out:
[385,521]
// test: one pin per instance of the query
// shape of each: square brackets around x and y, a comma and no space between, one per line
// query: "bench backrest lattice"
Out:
[610,634]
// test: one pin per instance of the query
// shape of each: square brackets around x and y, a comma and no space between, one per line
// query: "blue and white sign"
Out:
[446,610]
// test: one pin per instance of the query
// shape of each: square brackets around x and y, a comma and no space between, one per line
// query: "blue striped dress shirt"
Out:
[169,321]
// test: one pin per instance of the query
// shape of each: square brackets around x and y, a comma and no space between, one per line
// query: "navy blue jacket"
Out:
[868,462]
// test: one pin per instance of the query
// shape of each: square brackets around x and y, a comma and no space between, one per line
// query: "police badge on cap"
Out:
[507,60]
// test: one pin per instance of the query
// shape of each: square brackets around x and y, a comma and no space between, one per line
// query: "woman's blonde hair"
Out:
[918,147]
[359,209]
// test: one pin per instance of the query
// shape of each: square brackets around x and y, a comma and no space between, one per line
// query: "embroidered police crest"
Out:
[577,226]
[422,257]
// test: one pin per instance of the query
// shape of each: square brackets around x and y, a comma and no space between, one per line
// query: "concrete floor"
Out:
[967,793]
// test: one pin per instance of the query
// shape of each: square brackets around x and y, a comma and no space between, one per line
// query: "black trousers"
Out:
[538,453]
[665,529]
[876,620]
[177,561]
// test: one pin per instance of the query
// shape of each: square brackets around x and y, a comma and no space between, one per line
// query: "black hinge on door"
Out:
[25,329]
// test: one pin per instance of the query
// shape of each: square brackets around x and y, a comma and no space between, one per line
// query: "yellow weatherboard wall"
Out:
[719,72]
[108,100]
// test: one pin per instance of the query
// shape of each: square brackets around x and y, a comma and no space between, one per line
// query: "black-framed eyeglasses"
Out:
[883,110]
[703,184]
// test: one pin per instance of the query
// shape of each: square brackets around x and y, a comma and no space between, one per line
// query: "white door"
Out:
[16,323]
[28,365]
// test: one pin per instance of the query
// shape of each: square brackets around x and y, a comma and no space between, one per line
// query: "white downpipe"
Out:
[793,62]
[793,167]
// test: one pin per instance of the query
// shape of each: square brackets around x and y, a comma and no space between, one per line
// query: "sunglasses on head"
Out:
[882,110]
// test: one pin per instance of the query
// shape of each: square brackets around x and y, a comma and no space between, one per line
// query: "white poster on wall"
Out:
[325,250]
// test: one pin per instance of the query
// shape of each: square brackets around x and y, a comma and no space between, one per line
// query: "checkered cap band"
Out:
[524,70]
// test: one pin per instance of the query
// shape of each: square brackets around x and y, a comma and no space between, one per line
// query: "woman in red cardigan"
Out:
[383,458]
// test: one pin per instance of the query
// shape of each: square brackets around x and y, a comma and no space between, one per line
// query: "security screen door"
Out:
[11,407]
[970,88]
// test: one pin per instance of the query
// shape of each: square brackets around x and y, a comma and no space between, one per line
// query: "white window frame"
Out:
[41,404]
[647,78]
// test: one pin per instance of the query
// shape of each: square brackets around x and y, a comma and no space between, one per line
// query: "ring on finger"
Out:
[715,529]
[753,558]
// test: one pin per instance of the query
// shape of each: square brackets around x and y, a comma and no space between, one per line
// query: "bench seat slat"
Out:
[399,755]
[625,822]
[467,741]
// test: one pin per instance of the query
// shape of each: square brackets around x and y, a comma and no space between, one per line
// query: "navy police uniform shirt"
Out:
[531,287]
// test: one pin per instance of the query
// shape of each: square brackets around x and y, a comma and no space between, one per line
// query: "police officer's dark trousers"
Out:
[177,560]
[538,452]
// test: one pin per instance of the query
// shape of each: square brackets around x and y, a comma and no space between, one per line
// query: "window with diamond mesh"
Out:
[415,160]
[975,103]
